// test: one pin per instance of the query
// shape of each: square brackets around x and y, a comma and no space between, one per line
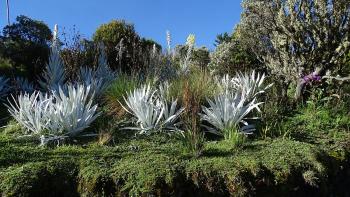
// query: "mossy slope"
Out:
[157,166]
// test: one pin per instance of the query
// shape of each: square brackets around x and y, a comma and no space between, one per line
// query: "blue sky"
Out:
[204,18]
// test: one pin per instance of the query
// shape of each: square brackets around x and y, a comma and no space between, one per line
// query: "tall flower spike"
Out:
[55,34]
[54,75]
[190,42]
[168,40]
[154,50]
[191,39]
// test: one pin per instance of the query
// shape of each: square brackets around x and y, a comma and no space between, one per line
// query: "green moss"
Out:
[157,165]
[13,128]
[35,178]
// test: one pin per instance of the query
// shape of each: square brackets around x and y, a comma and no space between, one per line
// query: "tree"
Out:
[26,42]
[77,52]
[299,40]
[221,38]
[148,44]
[199,56]
[122,44]
[230,57]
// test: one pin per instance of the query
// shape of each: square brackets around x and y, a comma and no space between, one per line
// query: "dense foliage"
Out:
[231,56]
[26,43]
[298,40]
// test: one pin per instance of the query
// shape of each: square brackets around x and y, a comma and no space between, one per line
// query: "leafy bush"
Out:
[77,51]
[199,57]
[319,116]
[230,56]
[6,67]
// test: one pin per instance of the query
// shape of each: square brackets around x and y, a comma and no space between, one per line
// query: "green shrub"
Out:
[199,58]
[56,177]
[120,35]
[78,52]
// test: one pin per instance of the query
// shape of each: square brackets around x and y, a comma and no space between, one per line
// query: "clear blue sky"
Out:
[204,18]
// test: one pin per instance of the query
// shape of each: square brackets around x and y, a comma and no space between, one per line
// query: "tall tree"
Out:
[122,44]
[221,38]
[231,57]
[26,42]
[299,40]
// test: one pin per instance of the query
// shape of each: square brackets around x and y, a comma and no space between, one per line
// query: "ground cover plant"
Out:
[120,116]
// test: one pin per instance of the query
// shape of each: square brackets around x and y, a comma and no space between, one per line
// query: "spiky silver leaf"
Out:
[31,111]
[23,85]
[54,75]
[100,78]
[151,110]
[226,111]
[4,87]
[64,114]
[249,85]
[72,112]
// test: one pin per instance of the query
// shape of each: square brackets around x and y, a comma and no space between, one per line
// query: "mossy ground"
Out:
[157,165]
